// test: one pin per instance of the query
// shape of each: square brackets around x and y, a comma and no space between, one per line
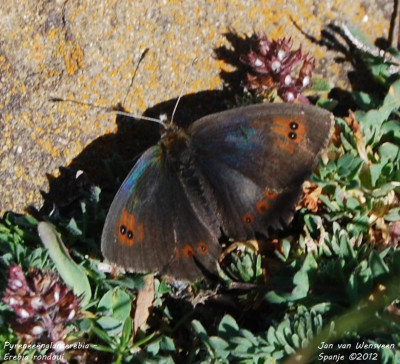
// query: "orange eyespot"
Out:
[289,132]
[298,130]
[188,251]
[248,219]
[202,247]
[262,207]
[131,238]
[270,195]
[129,230]
[123,227]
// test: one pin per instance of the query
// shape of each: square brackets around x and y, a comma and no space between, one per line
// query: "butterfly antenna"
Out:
[82,103]
[148,118]
[116,109]
[109,110]
[183,89]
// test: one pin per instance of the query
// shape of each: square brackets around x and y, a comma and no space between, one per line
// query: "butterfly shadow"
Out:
[106,161]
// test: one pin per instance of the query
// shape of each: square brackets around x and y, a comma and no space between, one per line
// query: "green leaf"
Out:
[275,297]
[220,347]
[364,100]
[73,228]
[228,327]
[126,331]
[117,302]
[154,347]
[286,246]
[392,99]
[167,344]
[346,249]
[159,345]
[302,278]
[360,283]
[358,226]
[376,172]
[319,85]
[95,192]
[373,119]
[332,206]
[377,265]
[352,204]
[71,273]
[349,166]
[328,104]
[109,323]
[393,215]
[391,128]
[199,329]
[313,223]
[389,151]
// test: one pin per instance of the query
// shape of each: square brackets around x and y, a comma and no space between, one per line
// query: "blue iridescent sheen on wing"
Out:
[151,158]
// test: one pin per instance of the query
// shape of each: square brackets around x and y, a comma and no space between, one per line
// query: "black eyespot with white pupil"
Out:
[294,126]
[130,234]
[122,229]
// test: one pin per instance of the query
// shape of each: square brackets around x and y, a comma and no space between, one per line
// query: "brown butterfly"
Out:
[236,173]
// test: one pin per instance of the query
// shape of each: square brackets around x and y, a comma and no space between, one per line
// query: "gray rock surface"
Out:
[88,50]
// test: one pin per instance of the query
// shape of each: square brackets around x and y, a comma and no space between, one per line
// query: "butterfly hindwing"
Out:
[256,159]
[196,232]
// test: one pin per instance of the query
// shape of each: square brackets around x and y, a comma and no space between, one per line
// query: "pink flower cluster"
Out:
[273,65]
[42,304]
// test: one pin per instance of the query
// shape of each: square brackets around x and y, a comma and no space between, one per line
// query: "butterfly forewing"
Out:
[160,222]
[139,206]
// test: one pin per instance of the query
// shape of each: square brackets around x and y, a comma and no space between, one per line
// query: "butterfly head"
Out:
[175,143]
